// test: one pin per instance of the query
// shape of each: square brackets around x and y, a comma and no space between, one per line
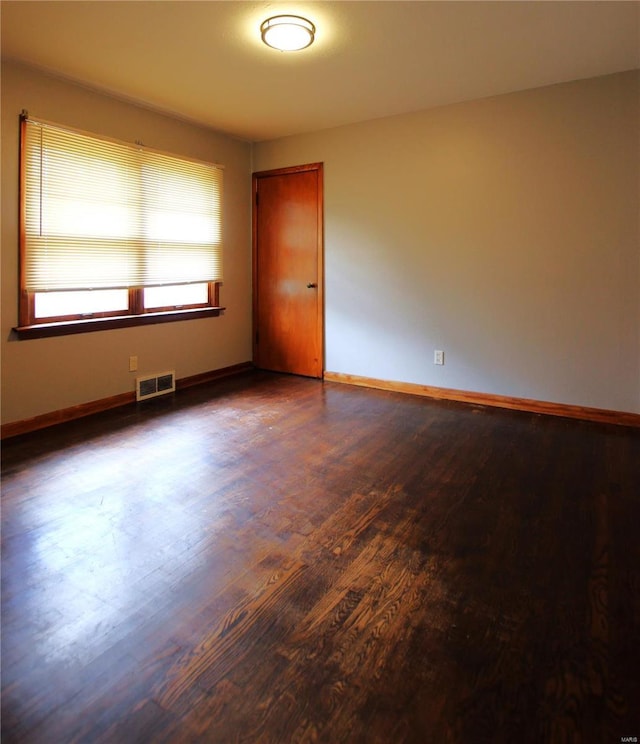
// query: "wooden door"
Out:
[287,270]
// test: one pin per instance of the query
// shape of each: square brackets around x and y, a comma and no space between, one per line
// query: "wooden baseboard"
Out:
[485,399]
[214,374]
[115,401]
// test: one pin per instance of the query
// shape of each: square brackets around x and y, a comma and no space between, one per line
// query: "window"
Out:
[114,234]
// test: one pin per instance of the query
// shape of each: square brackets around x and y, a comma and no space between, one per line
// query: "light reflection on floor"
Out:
[125,534]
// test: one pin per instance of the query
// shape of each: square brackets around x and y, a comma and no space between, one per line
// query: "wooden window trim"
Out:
[137,315]
[29,326]
[85,325]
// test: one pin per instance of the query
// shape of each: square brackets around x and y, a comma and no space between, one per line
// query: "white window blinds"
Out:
[104,214]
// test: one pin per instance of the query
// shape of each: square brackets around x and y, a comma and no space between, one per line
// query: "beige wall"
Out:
[504,231]
[43,375]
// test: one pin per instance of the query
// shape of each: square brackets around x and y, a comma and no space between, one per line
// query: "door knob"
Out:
[311,285]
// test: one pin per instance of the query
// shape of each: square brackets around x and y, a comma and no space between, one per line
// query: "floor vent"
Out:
[154,385]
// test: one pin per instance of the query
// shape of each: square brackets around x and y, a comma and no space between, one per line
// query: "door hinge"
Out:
[257,199]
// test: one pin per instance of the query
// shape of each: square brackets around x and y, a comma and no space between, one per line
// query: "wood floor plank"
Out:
[274,559]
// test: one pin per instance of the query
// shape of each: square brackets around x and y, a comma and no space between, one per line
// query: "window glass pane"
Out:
[181,294]
[85,302]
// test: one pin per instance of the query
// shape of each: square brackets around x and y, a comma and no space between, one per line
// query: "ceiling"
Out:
[204,60]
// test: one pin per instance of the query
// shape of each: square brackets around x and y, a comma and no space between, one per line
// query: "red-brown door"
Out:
[287,268]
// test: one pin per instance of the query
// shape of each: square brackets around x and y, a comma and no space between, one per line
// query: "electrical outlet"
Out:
[438,357]
[133,363]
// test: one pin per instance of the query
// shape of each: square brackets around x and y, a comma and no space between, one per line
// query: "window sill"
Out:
[66,328]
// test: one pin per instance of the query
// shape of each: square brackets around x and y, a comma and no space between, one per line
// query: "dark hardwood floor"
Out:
[273,559]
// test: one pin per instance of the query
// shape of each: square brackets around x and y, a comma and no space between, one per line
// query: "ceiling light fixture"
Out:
[288,33]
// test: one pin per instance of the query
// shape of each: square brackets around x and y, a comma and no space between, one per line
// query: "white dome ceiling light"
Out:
[288,33]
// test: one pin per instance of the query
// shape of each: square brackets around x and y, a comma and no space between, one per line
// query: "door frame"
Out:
[319,168]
